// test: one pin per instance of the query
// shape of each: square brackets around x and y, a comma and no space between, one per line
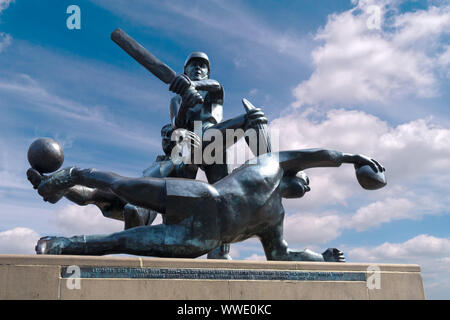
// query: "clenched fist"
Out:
[183,86]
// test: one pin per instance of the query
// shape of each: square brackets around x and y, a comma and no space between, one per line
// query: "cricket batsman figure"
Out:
[198,99]
[204,103]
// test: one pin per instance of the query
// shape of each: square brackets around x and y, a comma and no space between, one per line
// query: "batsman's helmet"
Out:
[197,55]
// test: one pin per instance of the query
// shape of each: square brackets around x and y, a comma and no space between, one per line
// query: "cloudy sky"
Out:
[330,74]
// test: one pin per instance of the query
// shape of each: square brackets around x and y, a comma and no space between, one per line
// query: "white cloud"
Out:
[357,64]
[18,241]
[416,148]
[307,228]
[430,252]
[339,128]
[328,186]
[13,179]
[5,4]
[418,27]
[347,131]
[84,117]
[244,250]
[12,171]
[408,150]
[5,41]
[416,155]
[444,61]
[314,228]
[380,212]
[256,257]
[444,58]
[253,92]
[235,252]
[225,18]
[420,246]
[75,220]
[240,23]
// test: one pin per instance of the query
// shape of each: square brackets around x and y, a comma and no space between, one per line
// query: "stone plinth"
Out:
[113,277]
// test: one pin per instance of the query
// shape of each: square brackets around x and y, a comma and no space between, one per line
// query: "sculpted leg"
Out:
[159,241]
[190,231]
[135,216]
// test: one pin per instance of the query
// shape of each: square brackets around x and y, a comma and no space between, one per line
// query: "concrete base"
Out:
[51,277]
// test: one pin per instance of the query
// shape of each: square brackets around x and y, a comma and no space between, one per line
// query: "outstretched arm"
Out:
[298,160]
[209,85]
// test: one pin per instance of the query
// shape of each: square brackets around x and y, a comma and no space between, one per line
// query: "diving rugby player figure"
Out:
[200,216]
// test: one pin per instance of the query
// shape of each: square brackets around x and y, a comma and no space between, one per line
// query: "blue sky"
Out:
[321,74]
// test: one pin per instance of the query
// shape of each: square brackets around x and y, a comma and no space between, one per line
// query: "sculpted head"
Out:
[294,186]
[197,66]
[166,134]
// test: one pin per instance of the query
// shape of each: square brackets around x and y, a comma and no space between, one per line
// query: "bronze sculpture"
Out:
[198,98]
[201,216]
[198,217]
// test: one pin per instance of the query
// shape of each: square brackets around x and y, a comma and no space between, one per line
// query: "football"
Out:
[45,155]
[369,179]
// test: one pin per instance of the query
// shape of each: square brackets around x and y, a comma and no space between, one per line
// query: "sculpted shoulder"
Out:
[258,177]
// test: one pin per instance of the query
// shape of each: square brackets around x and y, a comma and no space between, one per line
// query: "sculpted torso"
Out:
[249,200]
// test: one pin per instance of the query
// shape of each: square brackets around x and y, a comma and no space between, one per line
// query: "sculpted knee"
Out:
[130,211]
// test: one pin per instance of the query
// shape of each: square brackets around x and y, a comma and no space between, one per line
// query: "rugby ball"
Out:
[369,179]
[45,155]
